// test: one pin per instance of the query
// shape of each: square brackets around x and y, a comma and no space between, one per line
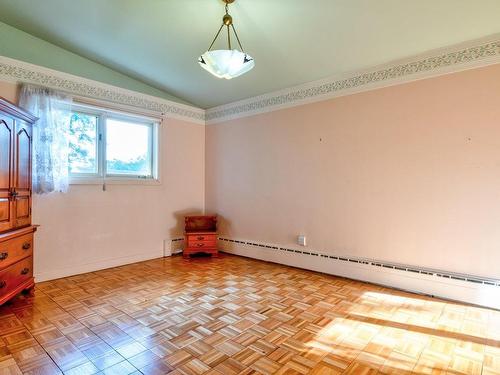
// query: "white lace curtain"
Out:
[50,137]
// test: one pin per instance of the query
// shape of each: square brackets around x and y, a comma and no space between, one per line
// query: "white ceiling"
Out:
[292,41]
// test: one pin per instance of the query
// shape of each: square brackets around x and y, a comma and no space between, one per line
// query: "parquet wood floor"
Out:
[239,316]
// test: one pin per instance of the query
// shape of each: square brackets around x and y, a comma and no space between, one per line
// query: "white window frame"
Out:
[102,114]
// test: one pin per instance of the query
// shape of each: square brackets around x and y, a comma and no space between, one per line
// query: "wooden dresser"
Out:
[201,235]
[16,231]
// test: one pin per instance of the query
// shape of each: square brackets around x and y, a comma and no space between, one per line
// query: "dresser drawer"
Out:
[15,275]
[15,249]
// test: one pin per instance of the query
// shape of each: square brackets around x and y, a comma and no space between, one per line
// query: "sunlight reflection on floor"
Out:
[404,333]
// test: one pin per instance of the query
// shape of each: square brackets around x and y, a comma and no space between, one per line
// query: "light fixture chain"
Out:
[216,35]
[237,38]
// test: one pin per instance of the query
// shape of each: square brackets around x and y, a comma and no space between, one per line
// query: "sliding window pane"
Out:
[128,148]
[83,144]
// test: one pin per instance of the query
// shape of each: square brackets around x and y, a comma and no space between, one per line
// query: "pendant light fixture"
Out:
[226,63]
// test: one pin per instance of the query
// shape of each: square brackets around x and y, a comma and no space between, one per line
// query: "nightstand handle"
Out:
[25,271]
[26,245]
[200,244]
[3,284]
[200,238]
[3,256]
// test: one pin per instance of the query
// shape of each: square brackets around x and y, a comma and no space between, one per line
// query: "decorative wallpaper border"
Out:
[446,60]
[18,71]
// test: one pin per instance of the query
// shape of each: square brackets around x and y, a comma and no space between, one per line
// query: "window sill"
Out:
[113,181]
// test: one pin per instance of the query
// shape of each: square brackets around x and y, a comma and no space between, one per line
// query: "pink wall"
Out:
[408,174]
[88,229]
[9,91]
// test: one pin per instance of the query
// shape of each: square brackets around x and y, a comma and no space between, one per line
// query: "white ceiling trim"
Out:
[447,60]
[12,70]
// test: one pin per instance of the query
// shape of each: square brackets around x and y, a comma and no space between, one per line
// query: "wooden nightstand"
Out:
[201,235]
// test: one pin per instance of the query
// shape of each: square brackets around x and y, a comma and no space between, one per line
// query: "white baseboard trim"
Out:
[95,266]
[430,283]
[173,246]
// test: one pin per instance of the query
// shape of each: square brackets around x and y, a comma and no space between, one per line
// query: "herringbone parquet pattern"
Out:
[239,316]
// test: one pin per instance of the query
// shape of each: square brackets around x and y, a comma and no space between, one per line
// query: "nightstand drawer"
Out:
[202,240]
[16,274]
[202,244]
[202,237]
[15,249]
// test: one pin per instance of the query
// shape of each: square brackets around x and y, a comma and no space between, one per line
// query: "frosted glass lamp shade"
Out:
[225,63]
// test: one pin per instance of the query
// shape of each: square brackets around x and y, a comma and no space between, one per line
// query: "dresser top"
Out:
[17,232]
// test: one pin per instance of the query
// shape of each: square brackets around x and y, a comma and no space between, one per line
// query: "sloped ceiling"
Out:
[292,41]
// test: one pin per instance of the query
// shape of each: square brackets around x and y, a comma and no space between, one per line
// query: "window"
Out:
[111,145]
[128,148]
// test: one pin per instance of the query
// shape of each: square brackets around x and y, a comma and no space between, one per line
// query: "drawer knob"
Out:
[3,256]
[25,271]
[199,238]
[200,244]
[3,284]
[26,245]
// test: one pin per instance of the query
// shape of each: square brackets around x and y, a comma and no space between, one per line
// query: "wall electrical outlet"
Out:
[301,240]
